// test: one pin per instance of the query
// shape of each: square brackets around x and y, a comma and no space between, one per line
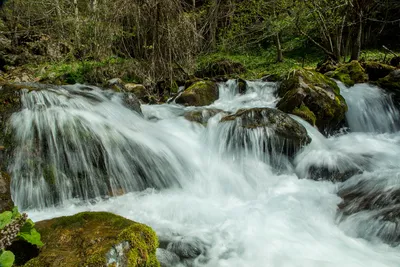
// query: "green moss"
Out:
[49,174]
[85,239]
[304,112]
[350,73]
[201,93]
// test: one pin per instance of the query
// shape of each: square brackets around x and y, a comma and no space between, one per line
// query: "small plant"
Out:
[15,226]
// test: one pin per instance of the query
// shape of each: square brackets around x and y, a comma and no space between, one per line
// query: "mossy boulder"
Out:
[202,115]
[202,93]
[391,83]
[313,97]
[95,239]
[221,67]
[327,66]
[377,70]
[281,133]
[6,202]
[350,73]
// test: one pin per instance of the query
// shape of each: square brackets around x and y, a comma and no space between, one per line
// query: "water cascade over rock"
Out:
[229,191]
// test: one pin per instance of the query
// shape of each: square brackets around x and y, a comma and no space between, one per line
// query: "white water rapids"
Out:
[233,210]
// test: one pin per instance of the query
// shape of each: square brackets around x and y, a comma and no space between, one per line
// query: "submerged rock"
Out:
[95,239]
[350,73]
[6,202]
[203,115]
[313,97]
[280,133]
[201,93]
[375,203]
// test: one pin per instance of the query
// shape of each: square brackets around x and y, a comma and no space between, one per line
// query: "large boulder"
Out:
[202,93]
[377,70]
[350,73]
[93,239]
[391,83]
[313,97]
[280,133]
[6,202]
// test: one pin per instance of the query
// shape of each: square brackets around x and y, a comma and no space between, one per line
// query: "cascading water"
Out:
[370,109]
[214,205]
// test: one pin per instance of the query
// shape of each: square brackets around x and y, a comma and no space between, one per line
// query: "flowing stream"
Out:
[220,207]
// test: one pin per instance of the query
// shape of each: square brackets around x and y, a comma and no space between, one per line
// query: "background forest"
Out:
[149,41]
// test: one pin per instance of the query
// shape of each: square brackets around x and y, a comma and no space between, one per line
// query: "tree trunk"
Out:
[279,55]
[355,53]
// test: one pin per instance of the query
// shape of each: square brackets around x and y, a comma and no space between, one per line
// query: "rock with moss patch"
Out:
[221,67]
[377,70]
[313,97]
[95,239]
[202,93]
[350,73]
[280,133]
[6,202]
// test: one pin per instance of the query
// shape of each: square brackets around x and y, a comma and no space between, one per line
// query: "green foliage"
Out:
[26,232]
[6,258]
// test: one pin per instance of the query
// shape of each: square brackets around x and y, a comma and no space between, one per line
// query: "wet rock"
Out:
[377,70]
[331,174]
[313,97]
[203,115]
[116,84]
[167,258]
[6,202]
[350,73]
[187,247]
[201,93]
[374,200]
[95,239]
[242,85]
[132,102]
[220,67]
[281,133]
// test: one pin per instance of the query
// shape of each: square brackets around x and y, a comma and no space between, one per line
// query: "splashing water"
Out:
[231,209]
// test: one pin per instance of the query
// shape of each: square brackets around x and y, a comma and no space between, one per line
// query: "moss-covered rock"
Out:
[350,73]
[202,115]
[221,67]
[327,66]
[95,239]
[377,70]
[6,202]
[313,97]
[283,133]
[391,82]
[201,93]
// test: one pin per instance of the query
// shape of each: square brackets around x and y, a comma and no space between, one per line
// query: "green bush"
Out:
[15,226]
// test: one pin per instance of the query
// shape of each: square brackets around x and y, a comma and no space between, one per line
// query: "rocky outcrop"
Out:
[350,73]
[220,67]
[377,70]
[95,239]
[6,202]
[202,93]
[280,133]
[313,97]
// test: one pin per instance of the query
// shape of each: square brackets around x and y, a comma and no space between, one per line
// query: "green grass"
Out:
[263,62]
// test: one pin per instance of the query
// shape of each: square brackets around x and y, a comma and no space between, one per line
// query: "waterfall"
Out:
[370,109]
[208,198]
